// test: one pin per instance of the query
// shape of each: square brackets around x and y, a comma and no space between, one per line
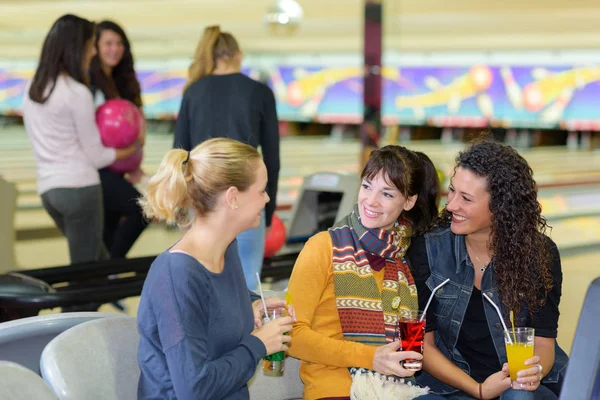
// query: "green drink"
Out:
[273,364]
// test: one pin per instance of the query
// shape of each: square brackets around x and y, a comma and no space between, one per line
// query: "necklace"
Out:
[483,265]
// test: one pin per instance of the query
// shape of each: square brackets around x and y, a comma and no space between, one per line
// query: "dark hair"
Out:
[412,173]
[62,52]
[522,254]
[123,74]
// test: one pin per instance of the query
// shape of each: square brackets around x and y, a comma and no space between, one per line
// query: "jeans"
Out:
[251,248]
[78,213]
[123,218]
[542,393]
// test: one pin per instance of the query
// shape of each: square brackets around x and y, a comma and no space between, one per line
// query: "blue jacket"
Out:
[448,258]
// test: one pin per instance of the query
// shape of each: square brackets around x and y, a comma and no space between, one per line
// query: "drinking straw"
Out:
[431,297]
[262,298]
[512,322]
[500,315]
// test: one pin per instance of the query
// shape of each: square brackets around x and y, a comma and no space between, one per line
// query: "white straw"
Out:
[262,297]
[500,315]
[431,297]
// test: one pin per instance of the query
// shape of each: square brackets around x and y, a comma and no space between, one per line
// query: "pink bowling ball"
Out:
[119,124]
[129,164]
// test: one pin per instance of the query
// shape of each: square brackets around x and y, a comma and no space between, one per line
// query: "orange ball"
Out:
[481,76]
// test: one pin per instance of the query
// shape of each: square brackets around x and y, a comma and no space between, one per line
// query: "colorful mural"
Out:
[480,95]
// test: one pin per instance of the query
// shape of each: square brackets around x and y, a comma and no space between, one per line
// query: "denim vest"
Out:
[448,258]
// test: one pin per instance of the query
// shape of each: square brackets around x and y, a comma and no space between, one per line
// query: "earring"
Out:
[235,208]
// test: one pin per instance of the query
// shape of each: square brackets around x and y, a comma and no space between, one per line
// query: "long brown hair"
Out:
[63,52]
[123,74]
[213,45]
[522,254]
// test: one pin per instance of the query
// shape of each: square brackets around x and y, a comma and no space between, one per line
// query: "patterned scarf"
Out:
[366,314]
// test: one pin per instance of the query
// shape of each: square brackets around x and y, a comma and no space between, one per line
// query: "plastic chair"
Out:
[20,383]
[23,340]
[94,360]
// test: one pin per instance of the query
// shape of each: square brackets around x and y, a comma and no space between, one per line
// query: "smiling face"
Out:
[380,203]
[253,200]
[469,203]
[110,48]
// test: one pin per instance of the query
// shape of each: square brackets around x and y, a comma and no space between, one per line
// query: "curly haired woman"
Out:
[490,239]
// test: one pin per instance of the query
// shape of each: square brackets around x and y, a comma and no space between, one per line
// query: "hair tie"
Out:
[187,158]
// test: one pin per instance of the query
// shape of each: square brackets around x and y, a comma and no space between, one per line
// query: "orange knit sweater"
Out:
[317,337]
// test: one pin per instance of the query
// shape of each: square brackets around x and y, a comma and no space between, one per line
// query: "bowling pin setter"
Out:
[586,141]
[511,137]
[554,112]
[447,136]
[573,140]
[513,90]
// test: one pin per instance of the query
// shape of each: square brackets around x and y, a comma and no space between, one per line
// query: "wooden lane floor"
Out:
[300,156]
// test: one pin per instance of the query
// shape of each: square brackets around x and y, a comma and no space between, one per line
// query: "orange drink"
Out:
[519,348]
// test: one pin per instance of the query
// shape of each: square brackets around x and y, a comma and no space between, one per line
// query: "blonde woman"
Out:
[196,317]
[220,101]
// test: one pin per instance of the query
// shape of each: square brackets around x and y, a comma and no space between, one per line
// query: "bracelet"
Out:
[480,394]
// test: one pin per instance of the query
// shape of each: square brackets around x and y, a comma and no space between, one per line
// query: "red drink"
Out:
[410,332]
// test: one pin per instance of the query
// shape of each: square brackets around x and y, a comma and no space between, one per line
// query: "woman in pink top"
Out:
[59,117]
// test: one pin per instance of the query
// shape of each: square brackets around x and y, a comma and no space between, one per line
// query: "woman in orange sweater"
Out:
[351,283]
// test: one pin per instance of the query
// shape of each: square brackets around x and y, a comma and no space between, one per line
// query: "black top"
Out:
[475,341]
[237,107]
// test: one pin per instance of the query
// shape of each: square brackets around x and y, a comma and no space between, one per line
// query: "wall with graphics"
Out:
[424,91]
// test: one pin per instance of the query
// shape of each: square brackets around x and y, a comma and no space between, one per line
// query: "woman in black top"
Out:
[219,101]
[112,77]
[490,239]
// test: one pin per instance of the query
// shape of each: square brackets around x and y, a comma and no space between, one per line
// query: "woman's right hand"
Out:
[127,151]
[273,336]
[496,384]
[387,360]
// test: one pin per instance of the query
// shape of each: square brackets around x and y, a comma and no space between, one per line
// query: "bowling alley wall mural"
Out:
[477,95]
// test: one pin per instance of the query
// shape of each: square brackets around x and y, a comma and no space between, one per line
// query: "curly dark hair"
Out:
[522,253]
[123,75]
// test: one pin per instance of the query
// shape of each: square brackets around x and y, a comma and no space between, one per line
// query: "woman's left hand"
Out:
[134,177]
[272,304]
[529,379]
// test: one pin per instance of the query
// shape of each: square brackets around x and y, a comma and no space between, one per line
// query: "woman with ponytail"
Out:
[196,317]
[219,101]
[351,283]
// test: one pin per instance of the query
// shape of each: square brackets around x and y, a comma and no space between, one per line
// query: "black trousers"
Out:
[123,219]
